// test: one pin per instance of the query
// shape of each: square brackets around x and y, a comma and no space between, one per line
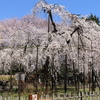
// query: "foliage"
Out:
[94,18]
[24,35]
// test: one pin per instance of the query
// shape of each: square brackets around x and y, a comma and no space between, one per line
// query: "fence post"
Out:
[65,96]
[53,96]
[87,95]
[5,98]
[93,95]
[69,96]
[74,96]
[47,96]
[41,97]
[0,97]
[80,96]
[83,96]
[98,96]
[58,97]
[90,94]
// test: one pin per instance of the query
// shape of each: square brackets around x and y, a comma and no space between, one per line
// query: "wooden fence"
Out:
[13,98]
[75,96]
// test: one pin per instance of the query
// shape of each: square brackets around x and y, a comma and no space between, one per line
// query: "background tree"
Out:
[94,18]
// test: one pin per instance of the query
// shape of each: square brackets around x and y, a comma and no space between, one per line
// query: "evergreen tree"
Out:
[94,18]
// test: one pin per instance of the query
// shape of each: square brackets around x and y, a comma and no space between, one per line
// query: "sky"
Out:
[19,8]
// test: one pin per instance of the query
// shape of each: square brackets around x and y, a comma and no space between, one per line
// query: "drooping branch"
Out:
[76,29]
[50,16]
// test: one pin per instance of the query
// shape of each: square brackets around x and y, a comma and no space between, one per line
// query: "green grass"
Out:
[42,91]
